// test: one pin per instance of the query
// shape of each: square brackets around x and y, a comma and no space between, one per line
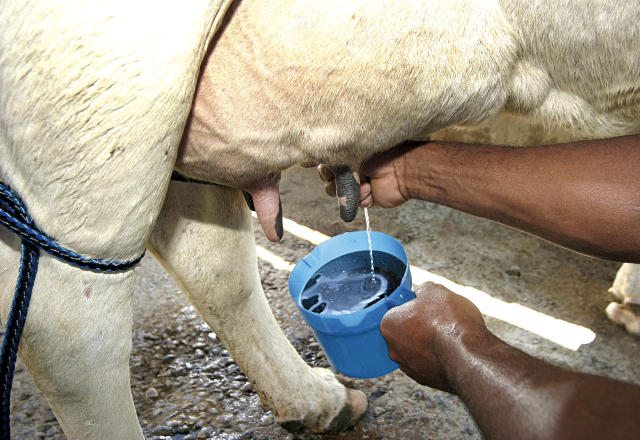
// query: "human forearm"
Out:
[440,340]
[512,395]
[585,196]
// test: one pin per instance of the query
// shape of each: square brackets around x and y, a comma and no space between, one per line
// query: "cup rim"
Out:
[323,254]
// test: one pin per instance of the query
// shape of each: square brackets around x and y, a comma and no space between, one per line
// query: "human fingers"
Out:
[330,188]
[343,183]
[366,196]
[328,176]
[409,337]
[326,173]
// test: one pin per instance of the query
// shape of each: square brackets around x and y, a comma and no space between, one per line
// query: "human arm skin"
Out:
[584,195]
[440,340]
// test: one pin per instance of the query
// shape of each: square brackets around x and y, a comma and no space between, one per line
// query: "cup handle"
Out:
[401,296]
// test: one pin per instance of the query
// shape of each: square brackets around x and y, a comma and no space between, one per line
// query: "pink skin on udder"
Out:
[266,201]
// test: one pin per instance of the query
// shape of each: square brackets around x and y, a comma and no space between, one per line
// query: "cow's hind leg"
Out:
[76,343]
[626,289]
[204,238]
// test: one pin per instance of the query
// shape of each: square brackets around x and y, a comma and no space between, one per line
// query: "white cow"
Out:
[95,97]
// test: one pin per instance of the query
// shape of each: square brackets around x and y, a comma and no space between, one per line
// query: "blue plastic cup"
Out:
[352,341]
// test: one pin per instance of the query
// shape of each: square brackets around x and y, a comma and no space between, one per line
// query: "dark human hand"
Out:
[423,334]
[381,178]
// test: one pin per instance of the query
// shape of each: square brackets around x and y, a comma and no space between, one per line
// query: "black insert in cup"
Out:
[346,284]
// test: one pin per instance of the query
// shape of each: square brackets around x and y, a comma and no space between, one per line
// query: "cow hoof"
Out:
[626,316]
[351,412]
[352,408]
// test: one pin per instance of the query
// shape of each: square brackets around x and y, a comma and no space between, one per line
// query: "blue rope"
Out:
[13,331]
[14,215]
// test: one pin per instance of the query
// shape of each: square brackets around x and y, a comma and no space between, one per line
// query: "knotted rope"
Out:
[14,215]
